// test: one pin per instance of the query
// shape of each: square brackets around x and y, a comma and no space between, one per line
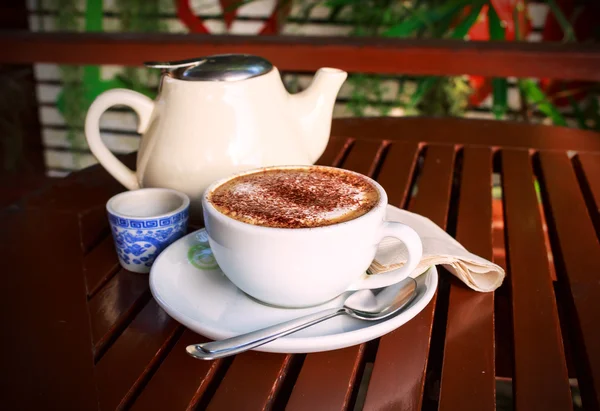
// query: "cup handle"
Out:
[142,105]
[413,244]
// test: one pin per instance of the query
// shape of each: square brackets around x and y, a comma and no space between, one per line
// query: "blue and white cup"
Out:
[144,222]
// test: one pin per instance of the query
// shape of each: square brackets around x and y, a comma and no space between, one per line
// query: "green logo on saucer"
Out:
[200,255]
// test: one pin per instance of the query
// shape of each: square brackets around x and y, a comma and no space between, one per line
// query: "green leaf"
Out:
[499,94]
[404,29]
[567,28]
[423,87]
[578,113]
[461,30]
[515,17]
[336,3]
[426,84]
[592,111]
[335,12]
[306,10]
[441,16]
[537,97]
[93,15]
[236,5]
[499,85]
[495,27]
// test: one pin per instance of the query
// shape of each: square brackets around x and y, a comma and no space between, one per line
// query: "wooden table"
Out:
[82,333]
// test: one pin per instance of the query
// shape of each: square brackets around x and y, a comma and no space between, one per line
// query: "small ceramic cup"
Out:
[144,222]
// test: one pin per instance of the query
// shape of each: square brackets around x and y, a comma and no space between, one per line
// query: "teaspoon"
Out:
[369,305]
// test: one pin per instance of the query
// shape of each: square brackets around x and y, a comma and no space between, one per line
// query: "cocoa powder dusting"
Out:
[295,198]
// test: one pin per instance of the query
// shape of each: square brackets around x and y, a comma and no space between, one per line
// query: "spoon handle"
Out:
[244,342]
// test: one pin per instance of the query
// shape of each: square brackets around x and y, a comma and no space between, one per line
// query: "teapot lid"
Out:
[221,67]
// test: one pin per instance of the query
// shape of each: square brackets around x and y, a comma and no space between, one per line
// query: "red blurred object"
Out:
[482,86]
[187,16]
[196,25]
[583,26]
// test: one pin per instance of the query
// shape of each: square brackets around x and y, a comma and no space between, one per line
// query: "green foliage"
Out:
[140,16]
[71,103]
[404,19]
[370,94]
[439,95]
[591,111]
[499,85]
[451,95]
[82,84]
[368,88]
[538,99]
[580,117]
[422,19]
[67,18]
[462,28]
[567,28]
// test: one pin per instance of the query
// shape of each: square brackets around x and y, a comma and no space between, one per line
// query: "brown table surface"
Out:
[81,333]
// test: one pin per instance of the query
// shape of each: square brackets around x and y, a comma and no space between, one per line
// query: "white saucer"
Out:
[188,285]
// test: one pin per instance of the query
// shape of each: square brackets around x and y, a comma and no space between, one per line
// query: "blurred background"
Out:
[52,100]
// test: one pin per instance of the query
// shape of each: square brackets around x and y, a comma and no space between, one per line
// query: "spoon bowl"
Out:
[377,304]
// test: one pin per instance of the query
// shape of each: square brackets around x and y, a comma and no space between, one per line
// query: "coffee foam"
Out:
[295,198]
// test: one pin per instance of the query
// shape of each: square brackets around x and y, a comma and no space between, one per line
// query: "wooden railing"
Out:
[307,54]
[366,55]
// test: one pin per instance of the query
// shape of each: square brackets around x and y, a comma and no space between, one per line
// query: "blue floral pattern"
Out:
[142,246]
[148,223]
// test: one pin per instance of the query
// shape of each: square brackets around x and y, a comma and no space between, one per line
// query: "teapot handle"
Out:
[142,105]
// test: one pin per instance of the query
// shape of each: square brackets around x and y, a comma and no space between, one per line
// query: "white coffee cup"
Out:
[299,267]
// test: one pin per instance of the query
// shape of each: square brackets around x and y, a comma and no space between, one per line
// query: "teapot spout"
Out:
[313,108]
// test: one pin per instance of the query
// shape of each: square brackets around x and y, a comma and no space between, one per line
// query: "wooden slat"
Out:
[589,168]
[15,187]
[252,382]
[94,227]
[590,163]
[364,157]
[370,55]
[124,368]
[114,305]
[466,131]
[46,349]
[397,172]
[330,387]
[541,380]
[76,193]
[82,191]
[334,152]
[580,253]
[327,380]
[100,264]
[468,375]
[399,370]
[180,381]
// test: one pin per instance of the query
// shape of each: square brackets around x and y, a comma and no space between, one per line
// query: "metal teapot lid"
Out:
[222,67]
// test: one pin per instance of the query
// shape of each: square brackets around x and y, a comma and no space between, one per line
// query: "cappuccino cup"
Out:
[298,236]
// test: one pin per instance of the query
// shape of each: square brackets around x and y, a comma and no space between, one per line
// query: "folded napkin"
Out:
[439,248]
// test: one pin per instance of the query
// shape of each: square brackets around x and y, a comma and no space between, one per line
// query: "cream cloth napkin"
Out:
[439,248]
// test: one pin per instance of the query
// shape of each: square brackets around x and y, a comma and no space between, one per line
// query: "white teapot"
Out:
[215,116]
